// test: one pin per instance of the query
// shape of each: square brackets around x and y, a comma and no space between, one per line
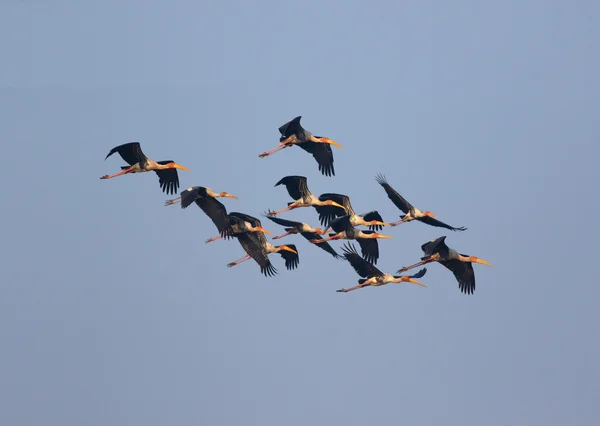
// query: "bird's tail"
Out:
[362,280]
[290,203]
[125,167]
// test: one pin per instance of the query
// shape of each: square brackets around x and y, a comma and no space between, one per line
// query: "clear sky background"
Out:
[115,312]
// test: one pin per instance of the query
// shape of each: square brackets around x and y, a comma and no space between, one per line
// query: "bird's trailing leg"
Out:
[335,237]
[173,201]
[210,240]
[237,262]
[122,172]
[399,222]
[422,262]
[282,235]
[292,206]
[356,287]
[282,145]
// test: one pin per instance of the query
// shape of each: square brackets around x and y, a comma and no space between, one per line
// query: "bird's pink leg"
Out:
[346,290]
[122,172]
[237,262]
[173,201]
[290,207]
[398,222]
[279,147]
[422,262]
[282,235]
[335,237]
[210,240]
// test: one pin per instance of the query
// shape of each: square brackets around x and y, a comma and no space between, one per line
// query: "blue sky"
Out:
[114,311]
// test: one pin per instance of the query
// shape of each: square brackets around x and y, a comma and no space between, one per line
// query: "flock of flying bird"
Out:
[334,211]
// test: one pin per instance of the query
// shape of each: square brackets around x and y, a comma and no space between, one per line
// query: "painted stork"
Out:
[292,133]
[200,194]
[371,276]
[461,265]
[366,239]
[411,213]
[298,189]
[236,223]
[371,219]
[306,231]
[258,248]
[132,154]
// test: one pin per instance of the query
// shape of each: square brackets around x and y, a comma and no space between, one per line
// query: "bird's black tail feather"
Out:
[362,280]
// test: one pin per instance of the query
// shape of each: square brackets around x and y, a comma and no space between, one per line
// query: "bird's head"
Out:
[430,214]
[330,142]
[481,261]
[178,166]
[227,195]
[287,248]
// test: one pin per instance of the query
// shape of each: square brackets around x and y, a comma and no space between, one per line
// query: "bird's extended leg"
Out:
[210,240]
[237,262]
[335,237]
[122,172]
[399,222]
[282,235]
[290,207]
[356,287]
[422,262]
[282,145]
[173,201]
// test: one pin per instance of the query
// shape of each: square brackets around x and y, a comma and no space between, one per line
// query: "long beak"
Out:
[384,236]
[286,248]
[410,280]
[260,228]
[329,141]
[483,262]
[230,196]
[333,203]
[179,166]
[376,222]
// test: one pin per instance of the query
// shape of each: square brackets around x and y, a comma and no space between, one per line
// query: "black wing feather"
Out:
[434,222]
[393,195]
[290,128]
[216,211]
[464,274]
[341,224]
[284,222]
[296,186]
[291,259]
[373,215]
[168,178]
[321,152]
[256,252]
[363,267]
[130,152]
[325,246]
[370,249]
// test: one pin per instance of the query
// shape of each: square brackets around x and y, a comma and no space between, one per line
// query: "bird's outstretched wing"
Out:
[291,259]
[284,222]
[464,274]
[373,215]
[168,178]
[296,186]
[419,274]
[256,252]
[435,246]
[329,213]
[190,195]
[216,211]
[393,195]
[321,152]
[325,246]
[290,128]
[341,224]
[434,222]
[369,248]
[363,267]
[130,152]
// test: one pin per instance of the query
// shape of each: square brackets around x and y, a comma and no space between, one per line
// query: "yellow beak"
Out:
[286,248]
[410,280]
[483,262]
[264,230]
[384,236]
[179,166]
[231,196]
[333,203]
[329,141]
[376,222]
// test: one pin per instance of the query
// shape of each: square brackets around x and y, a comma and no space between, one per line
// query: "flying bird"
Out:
[199,194]
[237,223]
[371,276]
[411,213]
[371,219]
[298,189]
[461,265]
[258,248]
[366,239]
[292,133]
[305,230]
[132,154]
